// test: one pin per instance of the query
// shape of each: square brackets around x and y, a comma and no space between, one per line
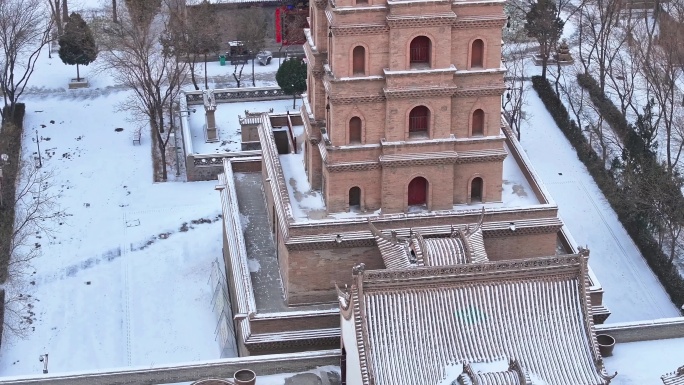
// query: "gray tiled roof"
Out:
[416,322]
[674,378]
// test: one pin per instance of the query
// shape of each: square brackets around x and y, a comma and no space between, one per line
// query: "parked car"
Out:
[264,57]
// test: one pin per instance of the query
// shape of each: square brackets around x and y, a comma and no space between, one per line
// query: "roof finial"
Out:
[358,269]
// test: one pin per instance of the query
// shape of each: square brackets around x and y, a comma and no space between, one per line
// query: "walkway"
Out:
[632,291]
[261,253]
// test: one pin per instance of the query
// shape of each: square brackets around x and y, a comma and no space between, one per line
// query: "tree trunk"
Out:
[294,101]
[162,156]
[58,18]
[253,81]
[192,73]
[78,74]
[206,77]
[65,10]
[114,16]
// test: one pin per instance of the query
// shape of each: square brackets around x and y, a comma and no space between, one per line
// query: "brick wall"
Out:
[312,273]
[521,246]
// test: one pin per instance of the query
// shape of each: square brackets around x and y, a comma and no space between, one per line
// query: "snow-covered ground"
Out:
[642,363]
[125,279]
[632,291]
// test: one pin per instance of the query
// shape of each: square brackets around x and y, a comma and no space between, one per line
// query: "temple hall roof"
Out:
[674,378]
[414,324]
[465,245]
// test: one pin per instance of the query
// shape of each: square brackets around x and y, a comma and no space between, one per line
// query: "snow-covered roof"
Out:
[674,378]
[414,324]
[461,246]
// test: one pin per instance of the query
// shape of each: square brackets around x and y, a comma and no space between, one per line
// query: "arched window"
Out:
[355,198]
[476,190]
[359,60]
[477,54]
[419,121]
[355,130]
[420,52]
[478,123]
[417,191]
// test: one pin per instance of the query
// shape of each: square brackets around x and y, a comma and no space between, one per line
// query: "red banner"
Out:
[278,27]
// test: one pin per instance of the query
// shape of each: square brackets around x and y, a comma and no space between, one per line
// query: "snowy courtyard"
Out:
[125,280]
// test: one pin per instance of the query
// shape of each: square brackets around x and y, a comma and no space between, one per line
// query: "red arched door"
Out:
[417,191]
[420,50]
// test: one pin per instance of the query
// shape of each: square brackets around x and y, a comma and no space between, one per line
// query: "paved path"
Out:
[632,291]
[259,242]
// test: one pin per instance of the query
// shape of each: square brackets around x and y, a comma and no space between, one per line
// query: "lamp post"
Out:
[44,359]
[40,158]
[3,160]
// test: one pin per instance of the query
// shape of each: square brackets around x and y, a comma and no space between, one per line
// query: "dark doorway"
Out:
[355,198]
[476,190]
[478,122]
[355,130]
[477,54]
[359,60]
[417,191]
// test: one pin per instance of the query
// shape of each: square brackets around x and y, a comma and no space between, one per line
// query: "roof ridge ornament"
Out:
[469,231]
[601,368]
[358,269]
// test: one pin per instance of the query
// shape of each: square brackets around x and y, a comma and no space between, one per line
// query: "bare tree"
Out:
[24,30]
[198,37]
[598,24]
[574,96]
[142,56]
[237,72]
[56,12]
[252,33]
[514,98]
[36,213]
[114,15]
[622,80]
[661,68]
[18,308]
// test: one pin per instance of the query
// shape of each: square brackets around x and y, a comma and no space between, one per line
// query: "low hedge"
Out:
[611,113]
[656,259]
[2,313]
[10,144]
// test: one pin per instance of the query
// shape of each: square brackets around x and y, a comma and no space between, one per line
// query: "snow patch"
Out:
[254,265]
[244,221]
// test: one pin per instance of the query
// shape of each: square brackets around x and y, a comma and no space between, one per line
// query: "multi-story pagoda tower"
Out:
[404,103]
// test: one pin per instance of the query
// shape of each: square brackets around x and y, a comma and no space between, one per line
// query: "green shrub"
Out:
[656,259]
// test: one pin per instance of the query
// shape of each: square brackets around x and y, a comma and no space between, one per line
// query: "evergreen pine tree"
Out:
[77,44]
[291,77]
[543,24]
